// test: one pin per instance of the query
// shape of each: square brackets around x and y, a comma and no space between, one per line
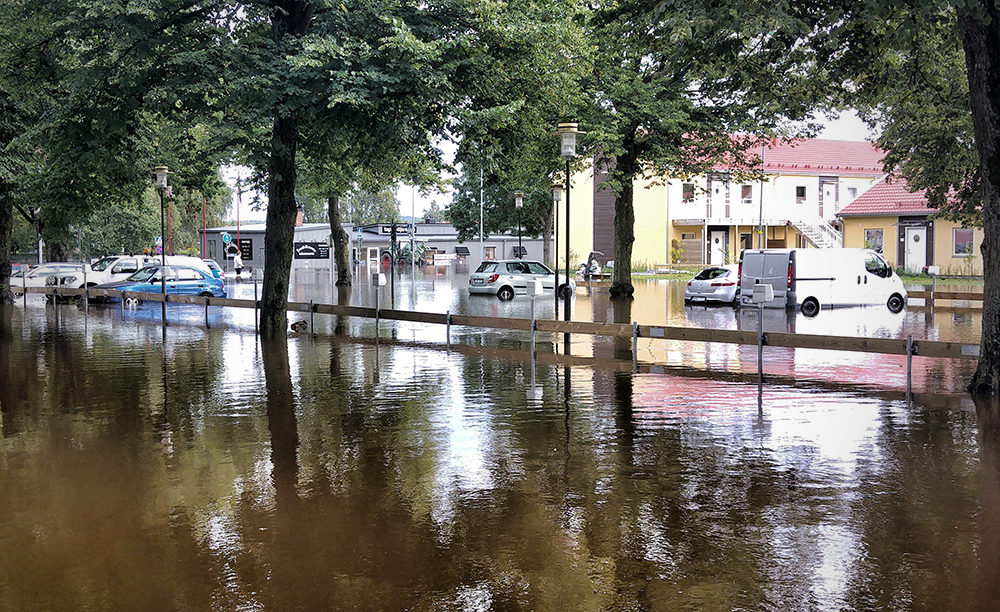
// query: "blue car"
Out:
[180,280]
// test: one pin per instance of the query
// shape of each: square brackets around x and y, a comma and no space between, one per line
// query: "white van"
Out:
[811,279]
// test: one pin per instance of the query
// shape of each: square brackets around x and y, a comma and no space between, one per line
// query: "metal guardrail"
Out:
[888,346]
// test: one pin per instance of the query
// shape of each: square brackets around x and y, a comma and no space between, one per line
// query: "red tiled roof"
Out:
[889,196]
[815,156]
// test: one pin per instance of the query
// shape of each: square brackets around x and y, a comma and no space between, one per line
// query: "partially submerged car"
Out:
[45,275]
[506,278]
[179,280]
[717,284]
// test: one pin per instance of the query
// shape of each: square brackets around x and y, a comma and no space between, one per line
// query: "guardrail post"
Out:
[933,289]
[256,305]
[635,346]
[910,350]
[312,318]
[207,300]
[447,329]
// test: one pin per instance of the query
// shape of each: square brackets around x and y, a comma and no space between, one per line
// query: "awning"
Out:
[462,250]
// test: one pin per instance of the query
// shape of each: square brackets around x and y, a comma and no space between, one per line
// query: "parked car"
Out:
[105,270]
[714,284]
[45,275]
[811,279]
[180,280]
[214,267]
[507,277]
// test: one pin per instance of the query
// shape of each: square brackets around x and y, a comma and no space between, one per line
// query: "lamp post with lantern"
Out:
[556,197]
[161,173]
[519,203]
[568,133]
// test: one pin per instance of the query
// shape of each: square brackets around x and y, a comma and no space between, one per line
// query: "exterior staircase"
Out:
[819,233]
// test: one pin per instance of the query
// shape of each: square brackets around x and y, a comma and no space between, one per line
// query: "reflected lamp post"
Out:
[161,173]
[568,133]
[556,198]
[519,204]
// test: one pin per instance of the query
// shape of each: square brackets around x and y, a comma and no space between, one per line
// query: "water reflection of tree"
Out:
[916,509]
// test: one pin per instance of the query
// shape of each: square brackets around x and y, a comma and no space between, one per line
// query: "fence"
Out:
[889,346]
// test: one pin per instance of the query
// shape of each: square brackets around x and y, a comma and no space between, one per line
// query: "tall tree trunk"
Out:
[290,19]
[621,280]
[6,231]
[981,41]
[279,236]
[340,242]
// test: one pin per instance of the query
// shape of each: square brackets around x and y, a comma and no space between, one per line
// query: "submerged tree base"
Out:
[622,289]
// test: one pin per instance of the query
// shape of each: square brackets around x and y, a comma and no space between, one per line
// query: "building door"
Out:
[828,204]
[916,248]
[716,248]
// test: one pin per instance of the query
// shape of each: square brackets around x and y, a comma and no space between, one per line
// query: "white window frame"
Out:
[954,241]
[881,244]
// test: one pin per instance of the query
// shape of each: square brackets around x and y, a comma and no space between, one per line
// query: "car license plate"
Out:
[477,281]
[697,298]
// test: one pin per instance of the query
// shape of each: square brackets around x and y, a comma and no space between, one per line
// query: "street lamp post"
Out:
[519,203]
[161,173]
[568,133]
[556,197]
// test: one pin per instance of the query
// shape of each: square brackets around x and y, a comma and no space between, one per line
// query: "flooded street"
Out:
[210,471]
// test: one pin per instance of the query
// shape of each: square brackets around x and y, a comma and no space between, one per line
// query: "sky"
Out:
[847,127]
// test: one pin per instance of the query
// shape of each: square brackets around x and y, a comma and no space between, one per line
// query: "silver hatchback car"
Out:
[714,284]
[507,277]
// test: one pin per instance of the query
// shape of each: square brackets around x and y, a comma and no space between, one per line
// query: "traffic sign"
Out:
[226,238]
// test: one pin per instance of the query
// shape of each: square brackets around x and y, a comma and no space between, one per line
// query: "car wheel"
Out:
[132,302]
[810,307]
[506,294]
[895,303]
[565,291]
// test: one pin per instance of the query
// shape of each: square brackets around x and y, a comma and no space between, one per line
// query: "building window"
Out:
[687,192]
[687,235]
[964,241]
[800,194]
[746,241]
[873,240]
[490,253]
[746,194]
[852,192]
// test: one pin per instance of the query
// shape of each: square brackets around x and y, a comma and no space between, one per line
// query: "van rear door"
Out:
[770,267]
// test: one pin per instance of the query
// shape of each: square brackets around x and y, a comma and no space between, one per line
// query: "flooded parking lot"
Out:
[209,471]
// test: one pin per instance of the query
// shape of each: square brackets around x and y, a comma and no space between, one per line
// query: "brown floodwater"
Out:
[210,471]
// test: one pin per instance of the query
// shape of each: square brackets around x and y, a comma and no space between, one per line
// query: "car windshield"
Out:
[102,264]
[710,273]
[143,275]
[487,266]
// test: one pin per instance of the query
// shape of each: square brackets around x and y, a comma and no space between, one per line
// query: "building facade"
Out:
[709,219]
[898,223]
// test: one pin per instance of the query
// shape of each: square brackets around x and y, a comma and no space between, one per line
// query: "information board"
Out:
[312,250]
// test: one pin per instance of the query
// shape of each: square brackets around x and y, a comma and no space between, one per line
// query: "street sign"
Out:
[312,250]
[226,238]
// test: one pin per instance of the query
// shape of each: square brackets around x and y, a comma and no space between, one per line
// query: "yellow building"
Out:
[899,224]
[709,219]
